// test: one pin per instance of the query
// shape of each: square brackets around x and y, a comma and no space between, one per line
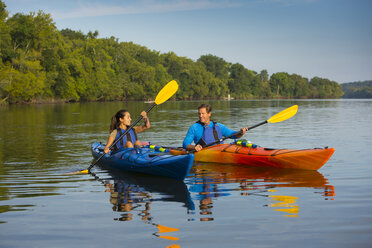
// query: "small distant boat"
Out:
[149,101]
[228,98]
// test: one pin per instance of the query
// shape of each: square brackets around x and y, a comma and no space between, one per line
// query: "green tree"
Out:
[357,89]
[240,81]
[23,31]
[219,78]
[217,66]
[173,63]
[324,88]
[301,86]
[25,79]
[5,81]
[264,76]
[178,68]
[72,35]
[282,85]
[266,90]
[65,84]
[5,39]
[143,54]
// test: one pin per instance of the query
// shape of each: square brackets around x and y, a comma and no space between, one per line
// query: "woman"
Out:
[119,124]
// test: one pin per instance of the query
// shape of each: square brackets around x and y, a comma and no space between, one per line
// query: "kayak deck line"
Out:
[238,148]
[277,151]
[142,154]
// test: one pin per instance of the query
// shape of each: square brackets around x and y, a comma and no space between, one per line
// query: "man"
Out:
[206,131]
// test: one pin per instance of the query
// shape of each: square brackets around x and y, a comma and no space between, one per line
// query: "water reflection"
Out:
[130,191]
[210,181]
[166,229]
[25,182]
[285,203]
[131,194]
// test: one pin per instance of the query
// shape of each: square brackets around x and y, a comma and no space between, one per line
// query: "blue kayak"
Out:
[146,160]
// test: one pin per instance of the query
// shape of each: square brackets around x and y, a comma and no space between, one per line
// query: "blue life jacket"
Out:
[210,135]
[130,136]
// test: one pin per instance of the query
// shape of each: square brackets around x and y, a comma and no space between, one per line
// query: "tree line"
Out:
[41,63]
[357,89]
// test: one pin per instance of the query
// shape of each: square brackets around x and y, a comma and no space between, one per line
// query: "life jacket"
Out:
[130,136]
[210,135]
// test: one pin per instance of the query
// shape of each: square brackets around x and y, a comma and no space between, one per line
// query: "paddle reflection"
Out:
[209,181]
[132,191]
[131,194]
[285,204]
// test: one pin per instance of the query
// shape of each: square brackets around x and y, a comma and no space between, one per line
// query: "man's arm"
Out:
[227,131]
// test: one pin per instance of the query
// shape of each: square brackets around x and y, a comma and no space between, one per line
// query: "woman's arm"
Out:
[109,143]
[146,124]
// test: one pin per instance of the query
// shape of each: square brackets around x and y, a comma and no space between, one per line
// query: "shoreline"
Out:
[3,102]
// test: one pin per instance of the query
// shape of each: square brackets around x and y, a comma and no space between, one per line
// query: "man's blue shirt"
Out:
[196,132]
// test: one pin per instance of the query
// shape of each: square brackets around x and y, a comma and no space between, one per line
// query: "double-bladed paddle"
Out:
[281,116]
[164,94]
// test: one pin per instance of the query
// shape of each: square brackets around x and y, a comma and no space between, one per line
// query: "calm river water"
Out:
[216,205]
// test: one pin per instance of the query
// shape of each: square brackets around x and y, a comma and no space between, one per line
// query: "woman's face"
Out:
[126,119]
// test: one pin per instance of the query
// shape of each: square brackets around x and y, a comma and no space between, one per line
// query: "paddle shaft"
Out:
[121,136]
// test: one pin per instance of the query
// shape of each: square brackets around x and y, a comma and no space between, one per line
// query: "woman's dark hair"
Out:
[115,120]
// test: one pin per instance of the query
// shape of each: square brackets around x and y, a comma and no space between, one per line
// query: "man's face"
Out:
[204,117]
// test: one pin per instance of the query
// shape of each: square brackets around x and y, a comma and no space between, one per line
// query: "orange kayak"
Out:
[306,159]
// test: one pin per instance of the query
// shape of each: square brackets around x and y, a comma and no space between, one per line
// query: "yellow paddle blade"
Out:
[167,92]
[284,115]
[79,172]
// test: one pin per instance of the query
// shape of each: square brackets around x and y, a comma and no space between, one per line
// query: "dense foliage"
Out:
[40,63]
[357,89]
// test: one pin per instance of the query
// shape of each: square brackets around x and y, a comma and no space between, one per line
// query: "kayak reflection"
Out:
[132,194]
[130,191]
[209,181]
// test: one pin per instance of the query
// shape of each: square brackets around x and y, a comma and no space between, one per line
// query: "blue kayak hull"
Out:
[146,160]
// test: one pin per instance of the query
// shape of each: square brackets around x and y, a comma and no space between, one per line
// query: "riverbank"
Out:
[61,101]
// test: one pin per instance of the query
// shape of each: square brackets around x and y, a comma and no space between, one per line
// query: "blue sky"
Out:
[325,38]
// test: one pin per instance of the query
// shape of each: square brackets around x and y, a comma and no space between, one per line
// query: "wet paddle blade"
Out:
[167,92]
[79,172]
[284,115]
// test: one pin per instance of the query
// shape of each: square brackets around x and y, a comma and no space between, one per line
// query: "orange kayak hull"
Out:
[306,159]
